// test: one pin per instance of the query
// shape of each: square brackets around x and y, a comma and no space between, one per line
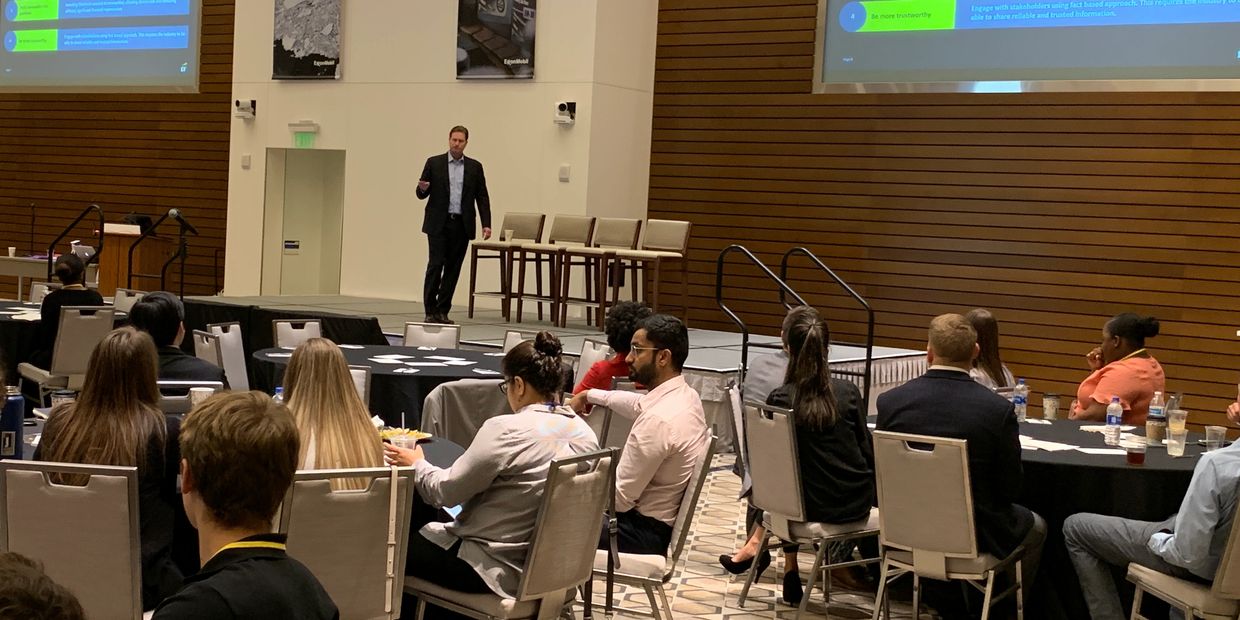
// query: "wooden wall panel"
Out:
[1056,211]
[141,153]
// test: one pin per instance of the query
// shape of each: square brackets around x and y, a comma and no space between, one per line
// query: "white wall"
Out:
[397,100]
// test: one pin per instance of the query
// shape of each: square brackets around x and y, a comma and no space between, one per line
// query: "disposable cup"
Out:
[1214,437]
[1135,449]
[199,394]
[1176,419]
[1176,441]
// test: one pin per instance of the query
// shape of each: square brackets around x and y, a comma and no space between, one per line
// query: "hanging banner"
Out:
[306,40]
[495,39]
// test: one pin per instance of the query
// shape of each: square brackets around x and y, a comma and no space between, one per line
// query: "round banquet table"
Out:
[1060,483]
[394,396]
[17,335]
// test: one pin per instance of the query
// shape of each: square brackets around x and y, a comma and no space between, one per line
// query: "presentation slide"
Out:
[1024,40]
[99,45]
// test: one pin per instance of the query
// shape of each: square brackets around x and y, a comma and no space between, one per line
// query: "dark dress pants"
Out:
[443,269]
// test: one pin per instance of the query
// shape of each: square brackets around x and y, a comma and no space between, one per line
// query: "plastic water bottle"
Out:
[1156,421]
[1020,398]
[279,395]
[1115,414]
[11,420]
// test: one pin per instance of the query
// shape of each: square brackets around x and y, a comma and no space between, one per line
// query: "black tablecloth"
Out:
[1062,483]
[392,394]
[17,338]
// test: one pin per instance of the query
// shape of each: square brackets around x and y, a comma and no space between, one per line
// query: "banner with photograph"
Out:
[495,39]
[306,40]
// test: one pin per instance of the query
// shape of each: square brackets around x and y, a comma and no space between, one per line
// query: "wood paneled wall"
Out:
[1056,211]
[126,153]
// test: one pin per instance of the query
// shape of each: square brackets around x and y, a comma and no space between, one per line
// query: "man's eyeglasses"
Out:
[644,348]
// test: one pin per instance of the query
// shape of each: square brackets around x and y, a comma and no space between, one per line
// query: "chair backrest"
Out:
[688,506]
[1227,576]
[667,235]
[124,299]
[361,380]
[737,407]
[524,226]
[207,347]
[776,477]
[578,229]
[612,430]
[432,335]
[513,338]
[592,351]
[85,536]
[617,232]
[232,351]
[291,333]
[81,328]
[39,290]
[455,410]
[174,395]
[561,554]
[923,487]
[351,539]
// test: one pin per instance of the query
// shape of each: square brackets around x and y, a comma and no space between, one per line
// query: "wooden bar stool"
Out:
[666,241]
[610,234]
[566,230]
[524,228]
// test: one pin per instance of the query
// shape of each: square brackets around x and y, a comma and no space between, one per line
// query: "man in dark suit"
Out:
[455,185]
[162,315]
[946,402]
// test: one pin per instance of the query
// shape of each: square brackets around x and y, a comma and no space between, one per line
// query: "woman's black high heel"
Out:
[793,591]
[736,568]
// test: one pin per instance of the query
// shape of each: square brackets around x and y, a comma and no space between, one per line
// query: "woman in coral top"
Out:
[1121,367]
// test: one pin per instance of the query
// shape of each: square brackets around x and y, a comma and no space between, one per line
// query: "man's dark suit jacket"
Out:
[945,403]
[177,365]
[473,192]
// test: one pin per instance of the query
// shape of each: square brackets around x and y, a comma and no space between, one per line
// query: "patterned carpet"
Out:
[702,590]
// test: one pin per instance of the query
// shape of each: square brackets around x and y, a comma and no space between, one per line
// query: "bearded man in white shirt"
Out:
[668,439]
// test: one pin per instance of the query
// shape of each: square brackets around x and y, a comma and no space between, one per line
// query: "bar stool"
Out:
[610,234]
[565,230]
[666,241]
[523,227]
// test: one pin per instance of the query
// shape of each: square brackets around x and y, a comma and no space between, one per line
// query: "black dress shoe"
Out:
[793,590]
[736,568]
[431,318]
[443,318]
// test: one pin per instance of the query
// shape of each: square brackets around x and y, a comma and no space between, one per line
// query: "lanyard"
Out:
[251,544]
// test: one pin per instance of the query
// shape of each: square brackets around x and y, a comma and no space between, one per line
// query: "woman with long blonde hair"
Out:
[116,421]
[331,418]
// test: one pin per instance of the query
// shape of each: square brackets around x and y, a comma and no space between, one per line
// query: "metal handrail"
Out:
[150,230]
[94,258]
[783,286]
[869,334]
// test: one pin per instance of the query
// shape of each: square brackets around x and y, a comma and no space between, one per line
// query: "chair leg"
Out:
[587,598]
[654,604]
[520,292]
[667,605]
[1136,604]
[473,278]
[420,612]
[813,572]
[881,596]
[684,288]
[990,592]
[916,597]
[752,574]
[654,289]
[1020,590]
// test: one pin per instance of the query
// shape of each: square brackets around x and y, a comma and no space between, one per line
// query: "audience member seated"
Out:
[498,482]
[1187,545]
[162,315]
[621,322]
[71,272]
[946,402]
[765,373]
[27,593]
[988,369]
[239,454]
[1121,367]
[669,435]
[334,424]
[834,449]
[116,421]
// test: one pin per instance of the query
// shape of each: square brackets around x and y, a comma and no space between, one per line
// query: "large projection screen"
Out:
[1027,45]
[99,45]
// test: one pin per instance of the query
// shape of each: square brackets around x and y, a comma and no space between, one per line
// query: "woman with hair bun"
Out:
[1121,367]
[71,272]
[498,482]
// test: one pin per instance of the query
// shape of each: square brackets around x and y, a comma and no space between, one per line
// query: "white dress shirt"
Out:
[660,456]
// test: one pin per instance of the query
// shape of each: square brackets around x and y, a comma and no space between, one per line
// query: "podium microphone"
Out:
[176,215]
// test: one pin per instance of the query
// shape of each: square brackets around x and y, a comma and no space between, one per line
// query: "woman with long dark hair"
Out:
[988,369]
[116,421]
[834,448]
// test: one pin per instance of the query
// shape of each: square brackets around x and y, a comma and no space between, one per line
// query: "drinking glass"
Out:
[1214,437]
[1050,407]
[1175,441]
[1135,449]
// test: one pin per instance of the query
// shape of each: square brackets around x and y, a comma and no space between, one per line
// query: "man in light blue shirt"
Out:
[1188,545]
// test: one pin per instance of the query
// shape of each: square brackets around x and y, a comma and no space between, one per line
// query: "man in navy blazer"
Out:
[946,402]
[456,187]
